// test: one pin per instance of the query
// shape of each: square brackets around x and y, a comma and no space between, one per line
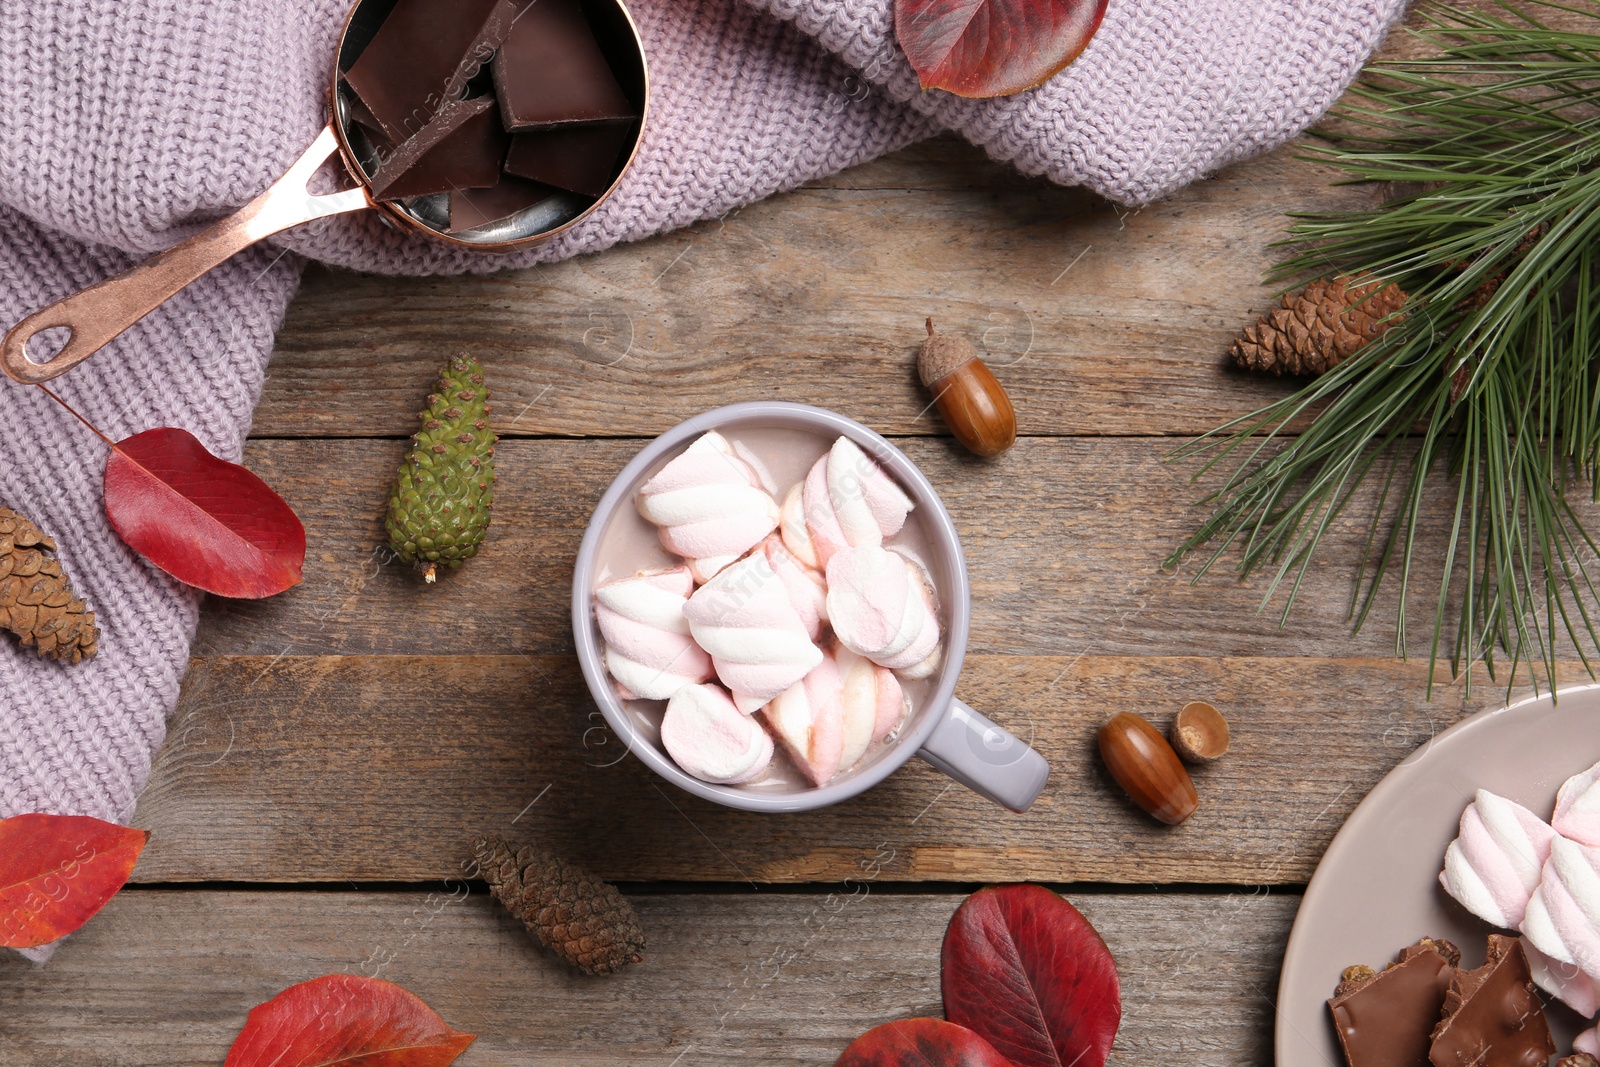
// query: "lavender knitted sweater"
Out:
[127,123]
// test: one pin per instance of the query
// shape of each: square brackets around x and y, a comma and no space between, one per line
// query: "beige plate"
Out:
[1377,888]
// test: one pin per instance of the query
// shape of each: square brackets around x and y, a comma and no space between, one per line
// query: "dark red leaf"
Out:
[982,48]
[56,871]
[920,1043]
[342,1020]
[1028,973]
[205,521]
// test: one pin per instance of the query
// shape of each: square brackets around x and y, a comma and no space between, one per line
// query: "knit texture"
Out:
[129,124]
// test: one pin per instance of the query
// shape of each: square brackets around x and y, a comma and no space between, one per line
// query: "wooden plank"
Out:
[1064,539]
[369,768]
[167,977]
[1100,321]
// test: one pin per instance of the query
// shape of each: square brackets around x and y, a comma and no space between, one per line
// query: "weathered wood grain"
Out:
[1064,539]
[165,979]
[298,769]
[1099,321]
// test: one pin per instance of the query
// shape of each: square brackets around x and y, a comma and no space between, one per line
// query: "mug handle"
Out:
[986,758]
[96,315]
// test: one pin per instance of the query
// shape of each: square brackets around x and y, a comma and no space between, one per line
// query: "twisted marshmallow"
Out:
[709,505]
[872,701]
[808,720]
[649,651]
[1578,808]
[881,606]
[1494,865]
[807,590]
[1588,1041]
[708,737]
[846,500]
[758,641]
[1563,917]
[1564,981]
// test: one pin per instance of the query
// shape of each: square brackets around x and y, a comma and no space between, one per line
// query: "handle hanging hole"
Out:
[47,344]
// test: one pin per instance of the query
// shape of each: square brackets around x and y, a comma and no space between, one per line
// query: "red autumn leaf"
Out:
[1025,971]
[920,1043]
[56,871]
[342,1020]
[207,522]
[981,48]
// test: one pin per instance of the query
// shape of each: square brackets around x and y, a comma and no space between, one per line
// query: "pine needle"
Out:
[1491,380]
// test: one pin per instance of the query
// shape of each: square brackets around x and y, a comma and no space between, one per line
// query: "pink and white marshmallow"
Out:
[711,739]
[872,701]
[758,641]
[1578,808]
[845,500]
[710,506]
[1588,1041]
[808,721]
[881,606]
[1563,917]
[1493,867]
[649,650]
[808,591]
[1564,981]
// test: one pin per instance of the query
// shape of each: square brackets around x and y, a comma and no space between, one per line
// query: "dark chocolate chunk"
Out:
[1384,1018]
[463,148]
[582,159]
[423,56]
[478,207]
[1492,1015]
[551,69]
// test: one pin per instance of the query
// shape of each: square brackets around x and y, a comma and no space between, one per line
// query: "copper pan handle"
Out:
[101,312]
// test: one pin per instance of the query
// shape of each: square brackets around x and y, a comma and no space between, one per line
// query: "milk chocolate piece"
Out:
[1492,1015]
[423,56]
[477,207]
[1384,1018]
[551,69]
[463,148]
[581,159]
[1578,1059]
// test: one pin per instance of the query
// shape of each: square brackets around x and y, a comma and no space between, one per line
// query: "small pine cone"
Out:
[1319,327]
[571,912]
[36,601]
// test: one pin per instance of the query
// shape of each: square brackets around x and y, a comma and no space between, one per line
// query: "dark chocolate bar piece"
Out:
[551,69]
[472,208]
[463,148]
[423,56]
[1384,1018]
[1492,1015]
[582,159]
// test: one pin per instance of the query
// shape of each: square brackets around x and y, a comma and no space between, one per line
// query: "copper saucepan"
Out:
[98,314]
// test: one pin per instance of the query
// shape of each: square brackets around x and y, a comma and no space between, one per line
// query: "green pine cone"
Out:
[439,509]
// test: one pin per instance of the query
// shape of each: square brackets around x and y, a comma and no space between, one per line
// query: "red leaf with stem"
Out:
[342,1020]
[57,871]
[920,1043]
[982,48]
[1024,970]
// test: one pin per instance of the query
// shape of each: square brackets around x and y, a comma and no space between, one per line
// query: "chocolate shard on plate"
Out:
[581,159]
[1384,1018]
[423,56]
[463,148]
[1492,1015]
[472,208]
[551,69]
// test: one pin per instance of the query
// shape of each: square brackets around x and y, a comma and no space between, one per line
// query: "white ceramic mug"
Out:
[941,729]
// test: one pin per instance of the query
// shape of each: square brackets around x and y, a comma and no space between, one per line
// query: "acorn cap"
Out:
[941,355]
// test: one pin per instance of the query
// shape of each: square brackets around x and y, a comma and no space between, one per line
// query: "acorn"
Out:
[1199,733]
[1146,767]
[971,399]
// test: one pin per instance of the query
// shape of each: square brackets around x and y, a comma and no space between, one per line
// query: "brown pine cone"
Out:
[36,601]
[1317,328]
[571,912]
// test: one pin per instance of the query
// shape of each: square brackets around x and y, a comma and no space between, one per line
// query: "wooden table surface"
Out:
[338,747]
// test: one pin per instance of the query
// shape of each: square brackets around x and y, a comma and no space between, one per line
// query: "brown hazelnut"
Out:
[1144,765]
[1199,733]
[970,398]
